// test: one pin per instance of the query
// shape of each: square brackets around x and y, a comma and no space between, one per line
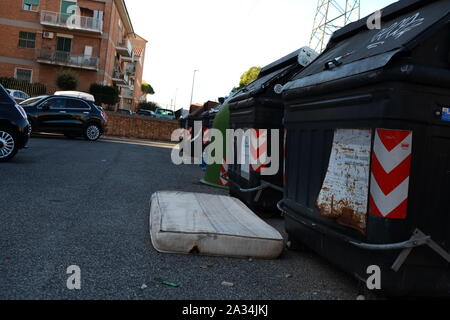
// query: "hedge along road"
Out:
[70,202]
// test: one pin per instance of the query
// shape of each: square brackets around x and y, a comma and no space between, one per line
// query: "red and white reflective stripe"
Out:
[187,133]
[224,175]
[206,136]
[258,150]
[391,168]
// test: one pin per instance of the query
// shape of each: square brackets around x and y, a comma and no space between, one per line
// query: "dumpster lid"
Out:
[280,63]
[388,13]
[262,81]
[279,69]
[373,49]
[304,56]
[259,84]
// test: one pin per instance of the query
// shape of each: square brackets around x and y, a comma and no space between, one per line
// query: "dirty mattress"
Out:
[208,224]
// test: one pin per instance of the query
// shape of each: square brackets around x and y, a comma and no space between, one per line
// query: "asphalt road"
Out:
[70,202]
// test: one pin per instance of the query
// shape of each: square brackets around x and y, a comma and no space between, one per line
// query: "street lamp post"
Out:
[175,100]
[193,84]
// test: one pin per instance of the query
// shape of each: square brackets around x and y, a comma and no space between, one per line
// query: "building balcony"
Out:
[130,59]
[67,59]
[131,72]
[120,78]
[126,106]
[124,48]
[72,22]
[126,93]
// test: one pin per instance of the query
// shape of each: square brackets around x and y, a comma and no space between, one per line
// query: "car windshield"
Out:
[32,101]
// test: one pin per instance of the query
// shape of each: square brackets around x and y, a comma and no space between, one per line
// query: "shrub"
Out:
[67,80]
[146,88]
[108,95]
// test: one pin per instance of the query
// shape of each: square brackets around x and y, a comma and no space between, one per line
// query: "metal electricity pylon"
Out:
[330,16]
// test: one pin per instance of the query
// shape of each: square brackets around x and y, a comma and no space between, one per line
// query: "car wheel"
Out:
[8,145]
[30,127]
[92,132]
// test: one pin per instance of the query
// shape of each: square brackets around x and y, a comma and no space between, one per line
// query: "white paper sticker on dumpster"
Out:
[345,192]
[245,154]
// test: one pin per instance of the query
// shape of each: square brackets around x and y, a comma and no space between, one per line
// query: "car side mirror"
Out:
[45,107]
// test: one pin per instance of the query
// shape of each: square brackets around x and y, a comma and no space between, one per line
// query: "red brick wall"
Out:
[12,9]
[140,127]
[8,70]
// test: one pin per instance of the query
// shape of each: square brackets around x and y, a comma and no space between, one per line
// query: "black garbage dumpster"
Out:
[260,107]
[182,123]
[189,124]
[368,150]
[207,123]
[200,134]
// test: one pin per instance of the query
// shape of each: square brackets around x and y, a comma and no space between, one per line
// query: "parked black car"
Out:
[68,115]
[14,127]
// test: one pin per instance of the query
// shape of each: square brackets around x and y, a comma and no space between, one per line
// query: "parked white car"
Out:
[18,95]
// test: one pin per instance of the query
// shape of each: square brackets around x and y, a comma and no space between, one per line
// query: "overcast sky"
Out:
[220,38]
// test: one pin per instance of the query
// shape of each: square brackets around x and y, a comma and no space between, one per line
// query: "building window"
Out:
[63,44]
[24,74]
[30,5]
[27,40]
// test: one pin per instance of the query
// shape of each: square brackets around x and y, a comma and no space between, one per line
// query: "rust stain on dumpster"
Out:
[344,194]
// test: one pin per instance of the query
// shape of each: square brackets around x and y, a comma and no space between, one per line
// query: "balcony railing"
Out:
[120,78]
[125,48]
[126,93]
[125,105]
[69,21]
[131,71]
[67,59]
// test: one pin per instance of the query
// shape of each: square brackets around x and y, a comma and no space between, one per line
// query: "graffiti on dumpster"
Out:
[396,30]
[344,194]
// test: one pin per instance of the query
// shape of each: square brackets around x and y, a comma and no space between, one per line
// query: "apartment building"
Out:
[128,74]
[94,38]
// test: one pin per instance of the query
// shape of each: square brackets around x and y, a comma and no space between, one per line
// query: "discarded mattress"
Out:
[210,225]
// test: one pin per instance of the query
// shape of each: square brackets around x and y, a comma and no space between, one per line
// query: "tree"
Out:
[249,76]
[67,80]
[147,88]
[108,95]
